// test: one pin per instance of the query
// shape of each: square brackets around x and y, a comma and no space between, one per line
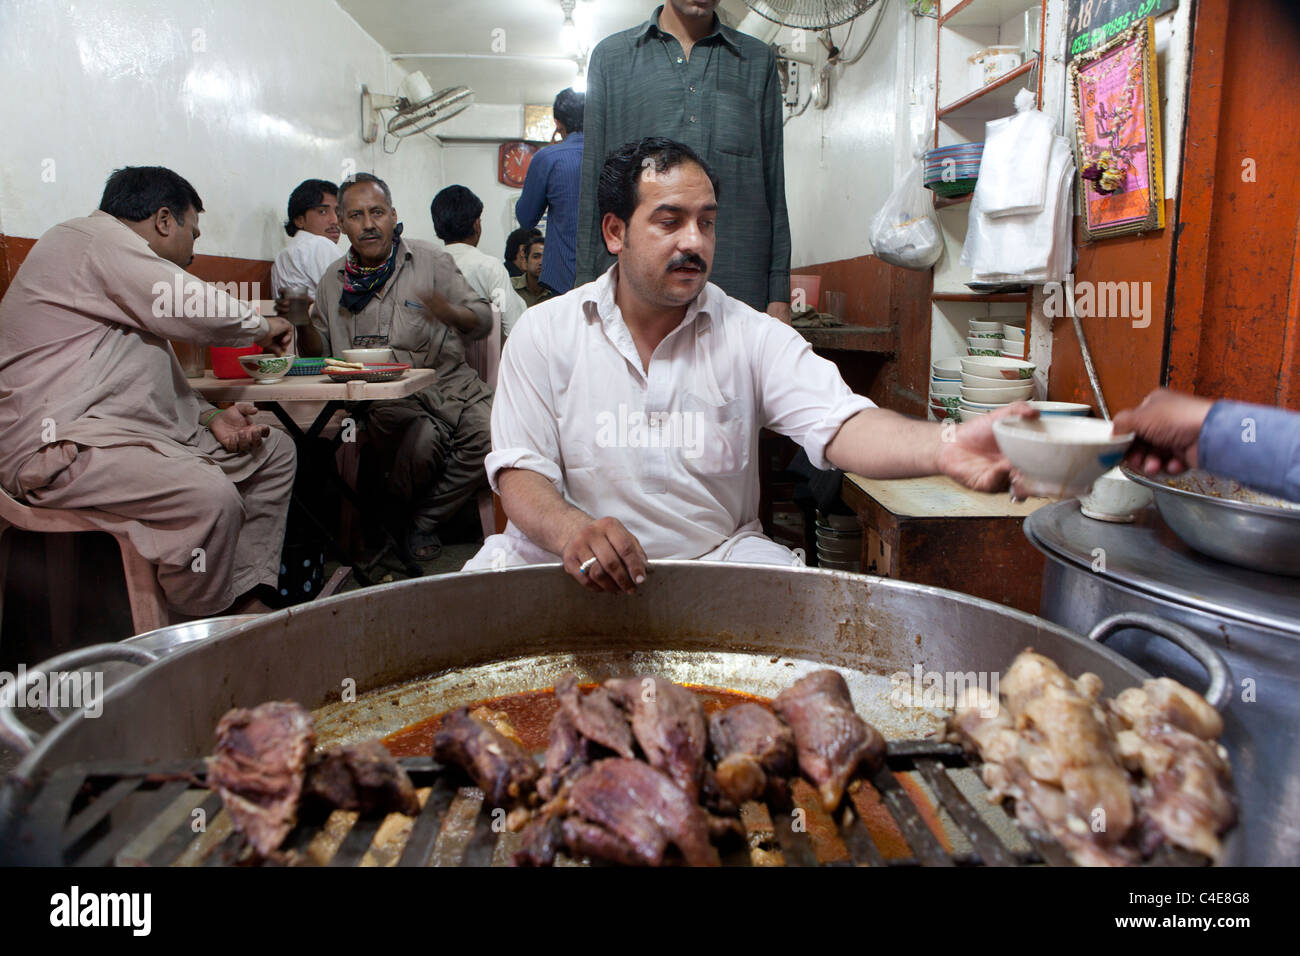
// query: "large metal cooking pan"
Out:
[415,648]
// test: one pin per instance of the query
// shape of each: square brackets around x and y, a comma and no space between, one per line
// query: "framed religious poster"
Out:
[1117,134]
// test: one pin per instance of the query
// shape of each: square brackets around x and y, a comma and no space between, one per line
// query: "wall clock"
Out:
[512,162]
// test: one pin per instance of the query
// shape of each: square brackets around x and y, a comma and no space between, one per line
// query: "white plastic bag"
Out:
[905,232]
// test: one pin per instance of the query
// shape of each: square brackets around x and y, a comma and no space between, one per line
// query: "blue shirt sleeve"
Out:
[532,201]
[1257,445]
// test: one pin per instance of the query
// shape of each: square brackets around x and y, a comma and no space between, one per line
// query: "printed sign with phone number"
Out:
[1092,22]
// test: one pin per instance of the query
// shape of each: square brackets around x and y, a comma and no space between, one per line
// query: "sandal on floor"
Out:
[423,545]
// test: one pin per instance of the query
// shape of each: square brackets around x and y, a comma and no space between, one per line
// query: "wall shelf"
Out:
[991,101]
[980,297]
[852,338]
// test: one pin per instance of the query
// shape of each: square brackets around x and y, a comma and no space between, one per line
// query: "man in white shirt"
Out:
[627,413]
[313,228]
[458,221]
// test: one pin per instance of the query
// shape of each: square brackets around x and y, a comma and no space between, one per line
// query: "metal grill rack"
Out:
[109,813]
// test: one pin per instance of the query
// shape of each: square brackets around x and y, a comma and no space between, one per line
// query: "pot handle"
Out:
[21,737]
[1219,692]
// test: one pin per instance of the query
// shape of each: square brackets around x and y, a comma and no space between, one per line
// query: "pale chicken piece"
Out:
[499,720]
[1171,737]
[1166,701]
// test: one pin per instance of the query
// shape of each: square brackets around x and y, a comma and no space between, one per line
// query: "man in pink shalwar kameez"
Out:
[96,413]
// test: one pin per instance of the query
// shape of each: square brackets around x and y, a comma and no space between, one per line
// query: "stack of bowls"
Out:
[990,382]
[945,387]
[984,338]
[1056,409]
[952,170]
[1013,340]
[839,542]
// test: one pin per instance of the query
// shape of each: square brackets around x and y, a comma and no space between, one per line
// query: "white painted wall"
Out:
[841,162]
[474,165]
[244,98]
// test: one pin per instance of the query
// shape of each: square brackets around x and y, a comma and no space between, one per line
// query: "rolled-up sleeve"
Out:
[525,428]
[801,394]
[1257,445]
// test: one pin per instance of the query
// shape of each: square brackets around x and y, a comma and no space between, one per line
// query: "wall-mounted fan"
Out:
[810,14]
[415,108]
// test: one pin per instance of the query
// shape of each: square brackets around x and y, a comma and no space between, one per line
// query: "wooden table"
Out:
[935,531]
[332,396]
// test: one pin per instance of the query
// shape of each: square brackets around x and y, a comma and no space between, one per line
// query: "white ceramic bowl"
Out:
[1059,457]
[984,381]
[370,356]
[965,413]
[981,325]
[1063,408]
[1114,498]
[267,368]
[1013,332]
[990,347]
[994,334]
[997,396]
[983,406]
[996,366]
[1014,346]
[946,369]
[944,388]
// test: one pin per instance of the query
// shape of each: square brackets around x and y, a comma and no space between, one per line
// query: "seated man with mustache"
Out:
[409,296]
[628,410]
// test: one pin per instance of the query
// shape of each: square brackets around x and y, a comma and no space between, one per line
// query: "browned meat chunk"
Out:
[502,769]
[595,716]
[364,777]
[567,754]
[623,811]
[258,769]
[830,738]
[751,744]
[668,723]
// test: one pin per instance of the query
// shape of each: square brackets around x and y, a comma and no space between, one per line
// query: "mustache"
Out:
[688,259]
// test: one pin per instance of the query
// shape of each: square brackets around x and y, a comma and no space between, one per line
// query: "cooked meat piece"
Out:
[502,769]
[541,839]
[595,715]
[830,738]
[1171,735]
[567,754]
[643,812]
[668,723]
[750,743]
[257,768]
[741,777]
[588,839]
[364,777]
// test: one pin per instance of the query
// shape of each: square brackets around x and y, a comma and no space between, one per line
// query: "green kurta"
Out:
[725,103]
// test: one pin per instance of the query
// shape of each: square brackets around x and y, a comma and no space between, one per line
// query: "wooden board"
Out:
[940,497]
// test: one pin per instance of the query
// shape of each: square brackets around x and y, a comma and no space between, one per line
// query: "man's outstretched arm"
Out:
[878,443]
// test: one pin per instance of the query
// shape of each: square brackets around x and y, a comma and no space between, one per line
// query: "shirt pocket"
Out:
[735,124]
[410,332]
[715,436]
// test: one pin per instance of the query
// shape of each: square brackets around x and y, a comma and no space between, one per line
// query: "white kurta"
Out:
[303,261]
[486,276]
[671,452]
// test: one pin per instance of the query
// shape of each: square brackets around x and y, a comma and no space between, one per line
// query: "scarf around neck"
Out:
[360,283]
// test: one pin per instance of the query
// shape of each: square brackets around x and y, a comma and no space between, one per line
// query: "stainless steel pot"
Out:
[1096,568]
[414,648]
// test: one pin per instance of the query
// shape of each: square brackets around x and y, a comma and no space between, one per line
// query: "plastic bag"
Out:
[905,232]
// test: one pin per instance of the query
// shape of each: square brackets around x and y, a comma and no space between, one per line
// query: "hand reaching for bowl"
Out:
[969,453]
[1168,427]
[235,430]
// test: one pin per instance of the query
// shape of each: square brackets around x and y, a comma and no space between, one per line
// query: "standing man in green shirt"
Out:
[684,75]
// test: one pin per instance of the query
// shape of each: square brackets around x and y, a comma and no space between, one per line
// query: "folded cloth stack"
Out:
[1020,215]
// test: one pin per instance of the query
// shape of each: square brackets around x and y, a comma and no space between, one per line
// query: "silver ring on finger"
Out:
[586,565]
